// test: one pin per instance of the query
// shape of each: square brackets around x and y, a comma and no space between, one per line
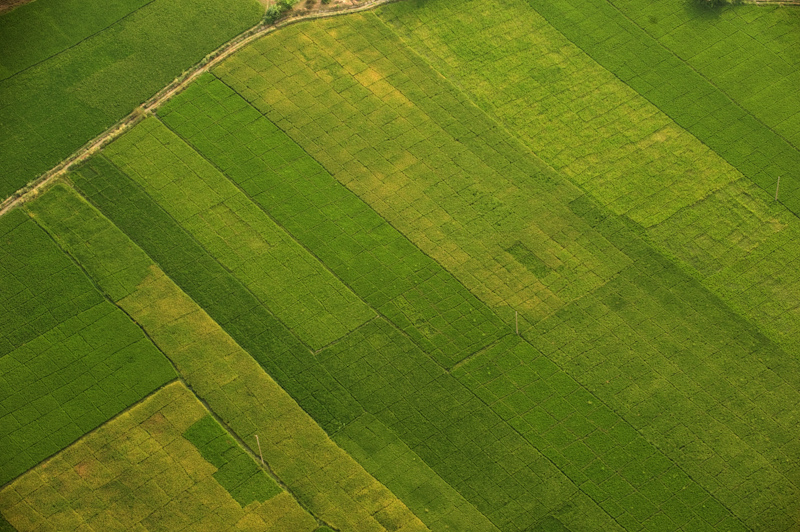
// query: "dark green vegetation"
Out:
[34,32]
[52,108]
[376,260]
[334,234]
[137,472]
[71,360]
[236,471]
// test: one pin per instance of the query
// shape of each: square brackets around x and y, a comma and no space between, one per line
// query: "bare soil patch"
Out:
[8,5]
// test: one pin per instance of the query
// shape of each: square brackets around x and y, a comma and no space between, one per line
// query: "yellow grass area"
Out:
[137,473]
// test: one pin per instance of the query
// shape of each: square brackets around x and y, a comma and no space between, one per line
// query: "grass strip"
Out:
[284,276]
[137,472]
[53,108]
[206,281]
[367,253]
[457,435]
[323,477]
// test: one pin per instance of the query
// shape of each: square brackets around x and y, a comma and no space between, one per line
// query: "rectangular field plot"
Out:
[52,108]
[574,114]
[466,443]
[434,166]
[76,363]
[140,472]
[323,477]
[359,246]
[39,286]
[313,303]
[629,477]
[748,52]
[393,463]
[717,397]
[192,268]
[33,32]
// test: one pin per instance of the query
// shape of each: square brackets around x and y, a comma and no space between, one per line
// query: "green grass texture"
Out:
[74,370]
[367,253]
[236,470]
[35,32]
[51,109]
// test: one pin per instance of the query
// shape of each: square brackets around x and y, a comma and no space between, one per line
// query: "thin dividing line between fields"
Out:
[39,184]
[98,32]
[97,428]
[179,378]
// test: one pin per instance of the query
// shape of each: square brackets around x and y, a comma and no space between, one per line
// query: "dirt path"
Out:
[8,5]
[304,11]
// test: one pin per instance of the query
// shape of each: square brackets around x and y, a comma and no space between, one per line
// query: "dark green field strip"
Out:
[236,471]
[373,258]
[409,145]
[681,92]
[708,389]
[747,51]
[284,276]
[460,438]
[227,301]
[39,286]
[50,110]
[401,470]
[35,31]
[250,403]
[68,381]
[615,465]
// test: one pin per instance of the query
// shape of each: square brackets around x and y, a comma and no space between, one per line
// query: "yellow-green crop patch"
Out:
[137,472]
[450,265]
[427,160]
[78,360]
[290,281]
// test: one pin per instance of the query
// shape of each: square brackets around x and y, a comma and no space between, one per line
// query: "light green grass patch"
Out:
[270,263]
[136,472]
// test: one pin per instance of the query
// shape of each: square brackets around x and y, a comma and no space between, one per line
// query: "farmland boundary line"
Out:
[179,378]
[39,184]
[710,82]
[70,47]
[126,410]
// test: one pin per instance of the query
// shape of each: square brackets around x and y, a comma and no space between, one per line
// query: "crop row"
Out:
[136,472]
[52,108]
[372,257]
[410,146]
[292,283]
[323,477]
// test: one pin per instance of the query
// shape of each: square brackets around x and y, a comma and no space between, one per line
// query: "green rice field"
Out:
[434,266]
